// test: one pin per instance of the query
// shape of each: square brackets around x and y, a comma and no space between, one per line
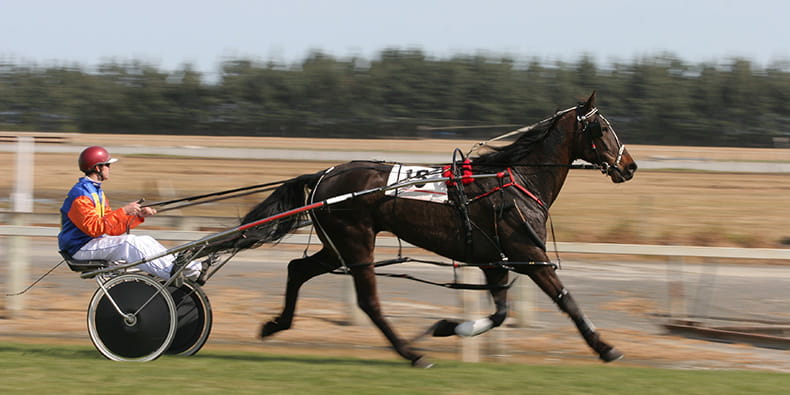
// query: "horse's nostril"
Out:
[632,166]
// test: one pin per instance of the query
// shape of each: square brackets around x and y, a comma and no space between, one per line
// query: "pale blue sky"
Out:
[169,33]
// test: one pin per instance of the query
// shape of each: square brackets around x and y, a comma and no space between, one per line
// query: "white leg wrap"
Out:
[474,328]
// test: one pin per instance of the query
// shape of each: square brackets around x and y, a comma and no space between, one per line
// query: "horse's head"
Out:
[599,144]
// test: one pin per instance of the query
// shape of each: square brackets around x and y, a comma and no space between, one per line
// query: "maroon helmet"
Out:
[92,156]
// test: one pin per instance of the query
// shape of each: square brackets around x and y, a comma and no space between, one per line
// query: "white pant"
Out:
[132,248]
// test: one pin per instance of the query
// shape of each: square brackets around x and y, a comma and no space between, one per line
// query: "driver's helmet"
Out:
[92,156]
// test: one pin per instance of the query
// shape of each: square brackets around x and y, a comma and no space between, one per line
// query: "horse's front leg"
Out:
[368,300]
[497,279]
[547,280]
[299,271]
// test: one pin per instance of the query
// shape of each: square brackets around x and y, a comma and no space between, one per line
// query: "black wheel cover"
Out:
[194,319]
[149,331]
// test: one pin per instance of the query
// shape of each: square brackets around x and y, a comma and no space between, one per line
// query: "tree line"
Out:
[403,93]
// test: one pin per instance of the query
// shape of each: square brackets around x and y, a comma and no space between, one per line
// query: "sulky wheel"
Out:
[194,319]
[144,327]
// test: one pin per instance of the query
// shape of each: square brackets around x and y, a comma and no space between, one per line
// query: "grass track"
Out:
[49,369]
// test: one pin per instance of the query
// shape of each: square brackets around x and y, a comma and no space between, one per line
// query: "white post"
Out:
[355,315]
[22,199]
[470,302]
[678,311]
[3,310]
[523,301]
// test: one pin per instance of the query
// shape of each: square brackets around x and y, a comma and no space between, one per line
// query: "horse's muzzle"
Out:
[622,173]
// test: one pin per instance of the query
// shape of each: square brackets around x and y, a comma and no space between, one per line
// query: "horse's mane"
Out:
[519,150]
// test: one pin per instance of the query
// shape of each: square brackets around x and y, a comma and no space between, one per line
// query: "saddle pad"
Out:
[430,191]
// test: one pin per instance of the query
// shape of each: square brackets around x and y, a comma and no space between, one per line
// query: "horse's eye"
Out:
[595,130]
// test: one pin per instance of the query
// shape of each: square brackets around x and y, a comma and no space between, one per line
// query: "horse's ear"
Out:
[590,103]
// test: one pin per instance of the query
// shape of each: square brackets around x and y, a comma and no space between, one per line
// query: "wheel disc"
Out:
[194,319]
[144,330]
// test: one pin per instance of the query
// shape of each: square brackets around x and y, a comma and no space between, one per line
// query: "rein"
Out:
[198,199]
[266,187]
[604,167]
[518,131]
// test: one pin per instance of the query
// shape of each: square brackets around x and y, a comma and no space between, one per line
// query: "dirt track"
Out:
[627,308]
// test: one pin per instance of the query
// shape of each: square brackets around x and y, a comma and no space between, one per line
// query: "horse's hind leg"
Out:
[548,281]
[299,271]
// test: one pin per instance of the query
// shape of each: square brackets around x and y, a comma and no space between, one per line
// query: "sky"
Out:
[170,33]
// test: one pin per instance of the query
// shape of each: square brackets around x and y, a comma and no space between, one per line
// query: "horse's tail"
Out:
[290,195]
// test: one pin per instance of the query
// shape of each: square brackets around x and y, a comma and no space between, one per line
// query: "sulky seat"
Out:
[83,265]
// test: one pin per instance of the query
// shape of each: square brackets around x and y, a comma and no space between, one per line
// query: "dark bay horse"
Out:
[498,223]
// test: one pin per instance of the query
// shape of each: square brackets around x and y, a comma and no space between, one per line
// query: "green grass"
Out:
[50,369]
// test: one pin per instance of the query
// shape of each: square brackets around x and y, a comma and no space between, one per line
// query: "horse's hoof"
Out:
[422,363]
[269,329]
[611,355]
[445,328]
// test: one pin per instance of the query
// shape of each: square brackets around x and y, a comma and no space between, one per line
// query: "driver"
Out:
[91,230]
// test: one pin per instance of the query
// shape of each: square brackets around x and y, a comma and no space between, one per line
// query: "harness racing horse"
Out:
[497,223]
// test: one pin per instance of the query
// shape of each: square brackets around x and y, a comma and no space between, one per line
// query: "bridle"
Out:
[594,129]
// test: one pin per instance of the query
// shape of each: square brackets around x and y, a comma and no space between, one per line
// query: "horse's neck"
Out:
[547,180]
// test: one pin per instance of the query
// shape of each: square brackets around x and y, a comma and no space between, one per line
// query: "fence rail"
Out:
[186,234]
[38,137]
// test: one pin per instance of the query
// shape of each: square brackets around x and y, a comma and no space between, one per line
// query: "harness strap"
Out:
[455,191]
[512,183]
[524,129]
[453,285]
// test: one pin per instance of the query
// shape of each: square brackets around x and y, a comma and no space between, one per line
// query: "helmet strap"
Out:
[99,176]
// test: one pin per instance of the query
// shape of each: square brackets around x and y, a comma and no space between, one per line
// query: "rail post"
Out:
[22,199]
[677,298]
[470,303]
[355,315]
[523,301]
[3,311]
